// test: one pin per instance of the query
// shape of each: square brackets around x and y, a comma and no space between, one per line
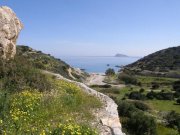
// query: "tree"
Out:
[110,72]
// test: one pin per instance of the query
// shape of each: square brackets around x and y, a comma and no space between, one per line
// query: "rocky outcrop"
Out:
[10,27]
[107,117]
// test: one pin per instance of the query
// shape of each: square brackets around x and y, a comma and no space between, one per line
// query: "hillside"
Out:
[34,102]
[47,62]
[164,63]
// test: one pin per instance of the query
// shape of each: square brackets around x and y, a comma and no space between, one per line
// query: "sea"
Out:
[98,64]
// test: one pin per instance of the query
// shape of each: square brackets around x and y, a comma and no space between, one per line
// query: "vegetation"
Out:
[110,72]
[173,120]
[32,102]
[128,79]
[178,100]
[19,74]
[62,111]
[160,95]
[153,81]
[135,121]
[47,62]
[176,86]
[163,105]
[151,99]
[162,63]
[137,96]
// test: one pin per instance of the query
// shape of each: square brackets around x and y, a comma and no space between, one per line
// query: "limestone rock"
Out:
[10,27]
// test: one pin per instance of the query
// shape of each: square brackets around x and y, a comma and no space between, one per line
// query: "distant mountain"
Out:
[164,62]
[120,55]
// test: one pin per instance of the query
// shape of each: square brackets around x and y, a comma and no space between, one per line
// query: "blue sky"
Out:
[98,27]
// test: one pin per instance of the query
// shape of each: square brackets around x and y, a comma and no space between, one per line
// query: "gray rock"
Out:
[10,27]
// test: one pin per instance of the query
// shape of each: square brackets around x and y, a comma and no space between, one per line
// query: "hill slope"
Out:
[34,102]
[47,62]
[164,62]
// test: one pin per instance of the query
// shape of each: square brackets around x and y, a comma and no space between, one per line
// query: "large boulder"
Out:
[10,27]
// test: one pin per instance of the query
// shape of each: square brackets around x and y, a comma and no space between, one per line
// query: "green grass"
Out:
[164,105]
[162,130]
[160,80]
[65,109]
[156,106]
[47,62]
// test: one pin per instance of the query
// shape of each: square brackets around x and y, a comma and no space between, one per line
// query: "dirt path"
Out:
[98,79]
[95,79]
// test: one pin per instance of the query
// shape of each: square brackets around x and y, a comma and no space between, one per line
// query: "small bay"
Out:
[98,64]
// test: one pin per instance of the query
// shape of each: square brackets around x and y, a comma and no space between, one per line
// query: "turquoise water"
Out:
[98,64]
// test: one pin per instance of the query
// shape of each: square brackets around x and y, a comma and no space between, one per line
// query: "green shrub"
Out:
[126,108]
[160,95]
[177,94]
[141,90]
[110,72]
[176,86]
[151,95]
[173,120]
[134,120]
[178,100]
[137,95]
[141,106]
[141,124]
[19,74]
[128,79]
[101,86]
[155,85]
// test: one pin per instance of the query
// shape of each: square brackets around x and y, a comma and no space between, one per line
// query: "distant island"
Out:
[121,55]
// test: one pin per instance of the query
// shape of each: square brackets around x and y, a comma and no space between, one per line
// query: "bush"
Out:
[127,78]
[141,90]
[110,72]
[178,100]
[137,96]
[141,106]
[134,120]
[173,120]
[151,95]
[167,95]
[101,86]
[160,95]
[141,124]
[155,85]
[125,108]
[176,86]
[19,74]
[177,94]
